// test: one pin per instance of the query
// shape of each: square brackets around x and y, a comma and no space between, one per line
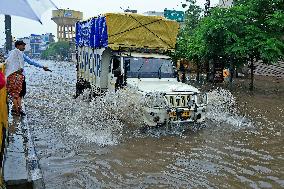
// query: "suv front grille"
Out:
[178,100]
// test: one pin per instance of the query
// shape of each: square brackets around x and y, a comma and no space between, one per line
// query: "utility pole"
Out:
[8,33]
[207,13]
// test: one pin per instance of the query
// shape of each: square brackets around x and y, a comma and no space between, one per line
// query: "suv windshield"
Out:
[149,68]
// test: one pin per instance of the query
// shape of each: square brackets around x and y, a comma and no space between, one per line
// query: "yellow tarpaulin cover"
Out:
[139,31]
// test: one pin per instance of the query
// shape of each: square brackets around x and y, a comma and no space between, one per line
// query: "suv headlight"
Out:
[201,98]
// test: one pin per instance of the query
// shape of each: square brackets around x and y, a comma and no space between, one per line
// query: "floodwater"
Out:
[81,144]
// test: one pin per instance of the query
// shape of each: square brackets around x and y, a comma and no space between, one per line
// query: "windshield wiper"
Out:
[160,72]
[139,70]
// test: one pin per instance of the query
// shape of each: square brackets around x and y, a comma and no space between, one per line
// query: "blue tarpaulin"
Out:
[92,33]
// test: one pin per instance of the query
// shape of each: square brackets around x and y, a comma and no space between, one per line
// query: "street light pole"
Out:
[207,13]
[8,33]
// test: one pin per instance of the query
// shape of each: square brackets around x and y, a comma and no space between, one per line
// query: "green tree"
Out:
[59,49]
[260,35]
[193,15]
[248,31]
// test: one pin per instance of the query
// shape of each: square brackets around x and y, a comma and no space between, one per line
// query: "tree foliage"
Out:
[59,49]
[260,35]
[249,30]
[193,14]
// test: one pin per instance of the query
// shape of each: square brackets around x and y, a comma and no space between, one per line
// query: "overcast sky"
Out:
[22,27]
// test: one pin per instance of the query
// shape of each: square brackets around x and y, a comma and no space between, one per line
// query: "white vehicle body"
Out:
[107,70]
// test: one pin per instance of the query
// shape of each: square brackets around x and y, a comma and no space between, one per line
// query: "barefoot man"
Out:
[16,85]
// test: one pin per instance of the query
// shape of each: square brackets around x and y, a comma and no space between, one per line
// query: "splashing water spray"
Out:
[102,119]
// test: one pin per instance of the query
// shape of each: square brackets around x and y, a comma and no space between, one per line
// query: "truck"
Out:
[126,51]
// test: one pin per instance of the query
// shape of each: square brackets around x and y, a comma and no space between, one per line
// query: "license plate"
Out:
[184,114]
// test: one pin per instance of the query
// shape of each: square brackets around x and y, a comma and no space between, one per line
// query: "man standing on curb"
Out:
[16,85]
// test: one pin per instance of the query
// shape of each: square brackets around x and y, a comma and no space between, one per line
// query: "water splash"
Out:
[104,119]
[222,108]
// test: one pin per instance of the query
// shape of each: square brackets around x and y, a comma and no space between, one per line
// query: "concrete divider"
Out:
[21,164]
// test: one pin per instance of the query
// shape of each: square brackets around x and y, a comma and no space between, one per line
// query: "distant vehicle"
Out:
[130,51]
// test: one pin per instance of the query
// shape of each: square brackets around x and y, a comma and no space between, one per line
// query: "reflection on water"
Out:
[98,145]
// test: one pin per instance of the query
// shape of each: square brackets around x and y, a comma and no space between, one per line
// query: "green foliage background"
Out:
[59,49]
[249,30]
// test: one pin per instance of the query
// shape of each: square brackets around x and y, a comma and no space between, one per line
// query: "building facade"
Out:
[66,20]
[226,3]
[35,43]
[153,13]
[169,14]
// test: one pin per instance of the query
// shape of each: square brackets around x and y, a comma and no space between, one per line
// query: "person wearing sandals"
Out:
[14,73]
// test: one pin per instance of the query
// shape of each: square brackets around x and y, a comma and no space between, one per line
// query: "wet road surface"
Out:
[80,147]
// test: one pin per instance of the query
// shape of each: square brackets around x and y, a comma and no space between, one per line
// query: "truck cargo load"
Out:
[123,30]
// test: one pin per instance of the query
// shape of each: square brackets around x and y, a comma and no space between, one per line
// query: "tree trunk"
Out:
[207,71]
[231,70]
[198,72]
[251,75]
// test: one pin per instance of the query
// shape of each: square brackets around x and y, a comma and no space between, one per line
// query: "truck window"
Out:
[149,68]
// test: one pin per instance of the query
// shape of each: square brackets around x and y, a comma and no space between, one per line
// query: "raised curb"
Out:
[21,164]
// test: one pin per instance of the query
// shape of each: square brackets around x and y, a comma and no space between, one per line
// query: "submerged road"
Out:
[80,148]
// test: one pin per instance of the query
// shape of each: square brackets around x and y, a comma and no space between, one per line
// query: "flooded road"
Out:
[81,145]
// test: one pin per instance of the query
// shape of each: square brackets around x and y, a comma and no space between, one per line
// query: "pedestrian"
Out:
[16,85]
[2,80]
[2,76]
[226,75]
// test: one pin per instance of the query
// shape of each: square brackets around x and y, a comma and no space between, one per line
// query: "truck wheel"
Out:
[81,85]
[79,88]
